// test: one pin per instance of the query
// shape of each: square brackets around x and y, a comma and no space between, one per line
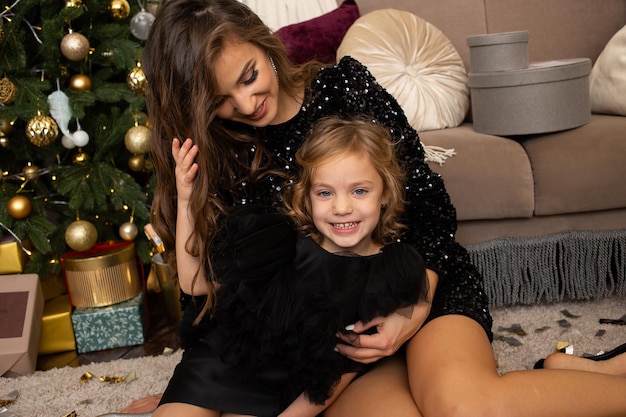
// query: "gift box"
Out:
[12,256]
[104,275]
[117,325]
[52,286]
[547,96]
[21,309]
[163,282]
[57,332]
[498,51]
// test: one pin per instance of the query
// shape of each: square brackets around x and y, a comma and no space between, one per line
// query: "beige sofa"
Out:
[543,216]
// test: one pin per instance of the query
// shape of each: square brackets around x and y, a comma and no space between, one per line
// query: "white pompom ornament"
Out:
[67,142]
[80,138]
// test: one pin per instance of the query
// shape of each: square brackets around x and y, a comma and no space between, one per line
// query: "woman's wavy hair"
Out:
[332,138]
[182,99]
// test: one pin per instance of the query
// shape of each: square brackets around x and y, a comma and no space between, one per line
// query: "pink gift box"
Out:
[21,310]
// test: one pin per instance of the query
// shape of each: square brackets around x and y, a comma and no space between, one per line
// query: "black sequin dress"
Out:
[216,371]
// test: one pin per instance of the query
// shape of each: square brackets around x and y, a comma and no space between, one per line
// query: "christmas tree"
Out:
[74,135]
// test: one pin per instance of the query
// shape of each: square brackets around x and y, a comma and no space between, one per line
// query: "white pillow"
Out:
[607,81]
[415,62]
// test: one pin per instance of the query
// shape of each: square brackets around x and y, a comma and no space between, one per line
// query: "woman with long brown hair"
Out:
[220,81]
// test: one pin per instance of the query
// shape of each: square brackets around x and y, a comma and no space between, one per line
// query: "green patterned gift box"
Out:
[117,325]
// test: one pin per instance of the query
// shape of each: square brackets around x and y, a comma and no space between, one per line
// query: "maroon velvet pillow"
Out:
[320,37]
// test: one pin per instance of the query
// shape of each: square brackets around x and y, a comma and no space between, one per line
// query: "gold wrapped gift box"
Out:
[57,333]
[104,275]
[12,256]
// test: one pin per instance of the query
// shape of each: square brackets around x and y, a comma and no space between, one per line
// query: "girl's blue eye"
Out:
[324,193]
[360,191]
[253,76]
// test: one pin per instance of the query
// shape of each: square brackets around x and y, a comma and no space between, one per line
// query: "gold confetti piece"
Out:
[167,351]
[561,345]
[71,414]
[112,379]
[542,329]
[565,347]
[85,402]
[86,377]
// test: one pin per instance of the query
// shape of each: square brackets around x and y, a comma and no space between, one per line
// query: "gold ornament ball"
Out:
[128,231]
[73,4]
[81,235]
[137,139]
[6,126]
[19,207]
[75,46]
[80,82]
[81,158]
[119,9]
[42,130]
[136,80]
[8,91]
[137,163]
[4,141]
[31,172]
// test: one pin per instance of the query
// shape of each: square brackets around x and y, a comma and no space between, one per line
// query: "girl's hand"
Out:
[186,167]
[393,331]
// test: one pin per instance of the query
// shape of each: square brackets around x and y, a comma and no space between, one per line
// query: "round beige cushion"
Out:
[415,62]
[607,91]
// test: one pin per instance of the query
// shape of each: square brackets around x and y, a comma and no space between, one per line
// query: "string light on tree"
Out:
[73,4]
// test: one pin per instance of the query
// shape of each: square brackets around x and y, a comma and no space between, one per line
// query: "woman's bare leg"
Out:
[181,409]
[383,391]
[613,366]
[452,372]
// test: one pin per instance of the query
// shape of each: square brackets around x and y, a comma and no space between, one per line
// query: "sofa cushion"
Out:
[607,89]
[415,62]
[318,38]
[457,19]
[581,169]
[489,178]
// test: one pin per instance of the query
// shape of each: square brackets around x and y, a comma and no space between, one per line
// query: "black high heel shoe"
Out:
[602,357]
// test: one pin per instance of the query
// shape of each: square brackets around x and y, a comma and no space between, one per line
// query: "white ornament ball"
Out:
[67,142]
[140,24]
[128,231]
[80,138]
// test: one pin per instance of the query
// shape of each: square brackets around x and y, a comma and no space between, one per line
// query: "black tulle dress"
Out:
[212,372]
[282,300]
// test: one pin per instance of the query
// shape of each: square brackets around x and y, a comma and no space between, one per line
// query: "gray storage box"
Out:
[546,97]
[498,51]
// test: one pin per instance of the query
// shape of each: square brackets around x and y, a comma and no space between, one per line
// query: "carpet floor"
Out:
[523,335]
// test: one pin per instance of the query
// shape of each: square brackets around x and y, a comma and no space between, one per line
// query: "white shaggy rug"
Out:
[59,392]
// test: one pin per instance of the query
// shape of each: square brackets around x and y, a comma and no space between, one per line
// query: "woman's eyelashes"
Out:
[253,76]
